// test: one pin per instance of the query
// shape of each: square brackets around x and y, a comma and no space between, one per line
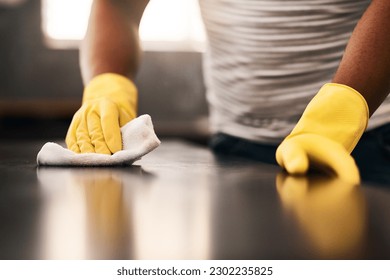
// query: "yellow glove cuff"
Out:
[115,87]
[337,112]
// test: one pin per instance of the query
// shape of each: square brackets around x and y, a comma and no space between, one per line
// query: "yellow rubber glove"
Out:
[326,134]
[109,102]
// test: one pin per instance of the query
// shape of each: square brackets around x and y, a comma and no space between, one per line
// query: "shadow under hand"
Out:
[331,213]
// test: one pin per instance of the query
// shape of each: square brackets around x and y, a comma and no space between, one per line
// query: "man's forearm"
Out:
[111,43]
[366,63]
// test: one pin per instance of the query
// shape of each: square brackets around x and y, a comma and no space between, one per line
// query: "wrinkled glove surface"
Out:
[326,134]
[109,102]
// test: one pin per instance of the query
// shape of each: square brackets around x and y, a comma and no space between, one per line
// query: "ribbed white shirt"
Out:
[266,59]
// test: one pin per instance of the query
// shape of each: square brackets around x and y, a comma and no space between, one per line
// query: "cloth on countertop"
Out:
[138,138]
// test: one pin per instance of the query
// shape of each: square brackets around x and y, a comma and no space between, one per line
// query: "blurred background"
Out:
[40,81]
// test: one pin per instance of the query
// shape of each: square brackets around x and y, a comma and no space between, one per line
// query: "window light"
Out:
[167,25]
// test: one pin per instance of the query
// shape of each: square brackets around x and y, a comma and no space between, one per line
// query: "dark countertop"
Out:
[181,202]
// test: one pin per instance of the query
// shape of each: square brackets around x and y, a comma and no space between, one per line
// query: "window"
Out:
[167,25]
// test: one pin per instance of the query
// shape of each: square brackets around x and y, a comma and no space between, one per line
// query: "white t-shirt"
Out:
[266,59]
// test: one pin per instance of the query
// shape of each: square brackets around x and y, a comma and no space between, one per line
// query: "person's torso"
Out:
[266,59]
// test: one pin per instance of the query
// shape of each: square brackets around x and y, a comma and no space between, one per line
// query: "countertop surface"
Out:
[183,202]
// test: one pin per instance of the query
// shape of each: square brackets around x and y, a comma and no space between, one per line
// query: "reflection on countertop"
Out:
[332,213]
[183,202]
[120,213]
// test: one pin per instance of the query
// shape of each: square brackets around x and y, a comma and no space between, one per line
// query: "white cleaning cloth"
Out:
[138,139]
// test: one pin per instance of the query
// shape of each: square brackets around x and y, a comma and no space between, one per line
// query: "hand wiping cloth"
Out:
[138,138]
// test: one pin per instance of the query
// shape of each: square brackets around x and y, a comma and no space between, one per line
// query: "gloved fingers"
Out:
[291,156]
[124,117]
[297,153]
[325,154]
[110,126]
[82,136]
[70,139]
[96,134]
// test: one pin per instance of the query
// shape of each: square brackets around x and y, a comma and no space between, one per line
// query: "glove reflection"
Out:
[330,212]
[106,215]
[86,214]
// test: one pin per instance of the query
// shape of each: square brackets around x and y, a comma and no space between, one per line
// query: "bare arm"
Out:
[336,117]
[366,62]
[111,43]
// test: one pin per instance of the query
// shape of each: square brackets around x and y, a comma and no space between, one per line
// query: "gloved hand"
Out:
[109,102]
[326,134]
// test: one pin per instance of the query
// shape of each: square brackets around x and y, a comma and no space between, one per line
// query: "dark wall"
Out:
[30,69]
[39,82]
